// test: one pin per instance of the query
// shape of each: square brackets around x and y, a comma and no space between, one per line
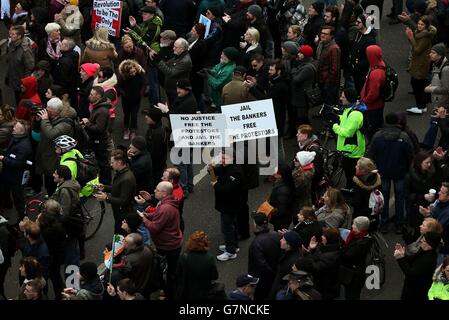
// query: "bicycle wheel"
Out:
[94,211]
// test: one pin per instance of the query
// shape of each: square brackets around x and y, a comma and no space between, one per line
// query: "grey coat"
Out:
[46,158]
[440,94]
[20,63]
[174,69]
[302,78]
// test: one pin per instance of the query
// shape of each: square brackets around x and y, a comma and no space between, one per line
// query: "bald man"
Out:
[165,231]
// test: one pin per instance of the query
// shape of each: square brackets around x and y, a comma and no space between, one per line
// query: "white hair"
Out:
[52,26]
[184,43]
[55,104]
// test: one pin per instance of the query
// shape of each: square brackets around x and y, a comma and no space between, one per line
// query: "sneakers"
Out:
[126,134]
[225,256]
[222,248]
[416,110]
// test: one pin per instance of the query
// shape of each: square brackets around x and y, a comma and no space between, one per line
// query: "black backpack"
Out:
[86,167]
[376,254]
[391,83]
[365,124]
[79,134]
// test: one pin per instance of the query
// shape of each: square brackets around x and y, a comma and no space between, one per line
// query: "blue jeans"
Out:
[398,200]
[431,134]
[229,230]
[153,82]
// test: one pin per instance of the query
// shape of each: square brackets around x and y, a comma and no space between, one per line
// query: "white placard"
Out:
[198,130]
[207,23]
[250,120]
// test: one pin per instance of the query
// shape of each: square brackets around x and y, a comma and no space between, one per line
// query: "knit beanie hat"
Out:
[232,53]
[90,68]
[305,157]
[139,143]
[88,270]
[433,239]
[319,7]
[306,50]
[154,113]
[52,26]
[361,223]
[351,94]
[293,239]
[440,48]
[184,84]
[133,220]
[255,10]
[291,47]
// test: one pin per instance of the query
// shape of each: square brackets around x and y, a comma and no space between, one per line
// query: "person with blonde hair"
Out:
[366,180]
[428,225]
[196,268]
[99,49]
[335,213]
[250,45]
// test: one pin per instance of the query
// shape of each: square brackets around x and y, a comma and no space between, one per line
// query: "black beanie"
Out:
[433,239]
[133,220]
[351,94]
[139,143]
[154,113]
[88,270]
[392,118]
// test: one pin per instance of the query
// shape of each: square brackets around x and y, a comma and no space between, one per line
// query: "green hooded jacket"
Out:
[220,75]
[350,139]
[147,33]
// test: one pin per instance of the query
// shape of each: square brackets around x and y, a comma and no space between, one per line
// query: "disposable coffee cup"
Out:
[432,192]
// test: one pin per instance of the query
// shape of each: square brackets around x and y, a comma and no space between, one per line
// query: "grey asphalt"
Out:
[199,212]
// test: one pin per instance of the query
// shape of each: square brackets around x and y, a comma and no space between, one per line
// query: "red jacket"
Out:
[178,194]
[164,225]
[375,80]
[23,111]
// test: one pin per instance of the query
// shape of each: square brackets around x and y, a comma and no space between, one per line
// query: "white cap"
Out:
[305,157]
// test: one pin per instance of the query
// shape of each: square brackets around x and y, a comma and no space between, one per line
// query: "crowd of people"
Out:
[68,80]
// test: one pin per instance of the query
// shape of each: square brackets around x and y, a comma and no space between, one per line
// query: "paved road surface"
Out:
[199,211]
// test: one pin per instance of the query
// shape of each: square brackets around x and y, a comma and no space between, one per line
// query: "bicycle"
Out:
[333,167]
[94,212]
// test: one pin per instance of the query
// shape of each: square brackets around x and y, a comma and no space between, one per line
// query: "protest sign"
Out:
[250,120]
[207,23]
[108,14]
[198,130]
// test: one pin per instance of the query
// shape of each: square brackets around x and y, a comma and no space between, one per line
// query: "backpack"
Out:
[376,202]
[86,167]
[391,83]
[75,222]
[79,134]
[158,274]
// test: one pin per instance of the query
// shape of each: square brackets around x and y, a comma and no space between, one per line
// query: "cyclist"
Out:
[350,139]
[65,148]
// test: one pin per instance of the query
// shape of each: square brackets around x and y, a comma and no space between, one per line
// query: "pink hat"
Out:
[306,50]
[90,68]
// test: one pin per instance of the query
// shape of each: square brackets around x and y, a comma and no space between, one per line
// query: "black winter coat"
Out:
[302,78]
[122,191]
[354,254]
[324,265]
[197,56]
[65,74]
[156,138]
[307,230]
[281,199]
[97,128]
[363,186]
[15,160]
[142,167]
[312,29]
[418,270]
[184,105]
[228,189]
[83,98]
[263,254]
[140,260]
[286,261]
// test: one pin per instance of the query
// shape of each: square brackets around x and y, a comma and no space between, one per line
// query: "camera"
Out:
[330,114]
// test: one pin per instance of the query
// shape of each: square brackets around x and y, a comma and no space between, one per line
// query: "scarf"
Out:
[353,235]
[55,55]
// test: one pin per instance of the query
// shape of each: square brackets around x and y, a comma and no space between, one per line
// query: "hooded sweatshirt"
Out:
[164,224]
[375,80]
[30,84]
